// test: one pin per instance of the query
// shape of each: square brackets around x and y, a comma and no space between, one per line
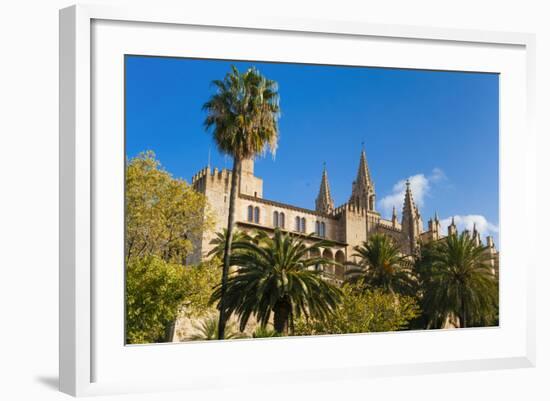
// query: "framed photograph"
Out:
[299,199]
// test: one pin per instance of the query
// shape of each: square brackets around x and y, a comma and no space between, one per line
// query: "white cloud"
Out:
[437,175]
[420,187]
[466,222]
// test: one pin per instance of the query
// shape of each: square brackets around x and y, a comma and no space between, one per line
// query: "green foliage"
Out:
[265,332]
[198,284]
[363,311]
[219,242]
[243,113]
[157,290]
[164,215]
[208,330]
[273,276]
[381,265]
[456,279]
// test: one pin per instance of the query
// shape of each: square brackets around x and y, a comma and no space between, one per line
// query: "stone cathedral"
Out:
[346,226]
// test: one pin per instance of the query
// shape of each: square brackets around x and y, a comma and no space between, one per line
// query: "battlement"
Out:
[207,176]
[388,225]
[349,207]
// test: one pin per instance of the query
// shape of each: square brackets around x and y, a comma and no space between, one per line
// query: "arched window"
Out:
[297,223]
[256,214]
[282,220]
[250,213]
[323,233]
[303,225]
[275,219]
[317,228]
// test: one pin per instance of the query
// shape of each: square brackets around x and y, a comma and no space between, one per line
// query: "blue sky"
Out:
[440,129]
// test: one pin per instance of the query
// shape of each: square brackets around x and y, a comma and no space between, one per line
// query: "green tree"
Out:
[457,279]
[243,114]
[273,276]
[164,215]
[424,271]
[381,265]
[363,311]
[156,292]
[208,330]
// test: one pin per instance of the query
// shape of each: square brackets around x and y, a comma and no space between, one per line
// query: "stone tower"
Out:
[324,202]
[434,228]
[411,222]
[362,193]
[250,184]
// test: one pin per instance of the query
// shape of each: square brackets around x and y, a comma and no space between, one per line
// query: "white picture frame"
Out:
[87,352]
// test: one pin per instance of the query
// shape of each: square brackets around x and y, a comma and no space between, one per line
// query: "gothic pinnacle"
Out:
[324,202]
[362,193]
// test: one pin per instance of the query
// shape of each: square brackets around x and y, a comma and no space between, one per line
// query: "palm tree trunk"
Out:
[228,241]
[463,317]
[291,320]
[281,312]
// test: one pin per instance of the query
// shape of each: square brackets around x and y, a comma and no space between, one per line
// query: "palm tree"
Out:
[381,265]
[243,114]
[274,277]
[220,239]
[208,330]
[461,283]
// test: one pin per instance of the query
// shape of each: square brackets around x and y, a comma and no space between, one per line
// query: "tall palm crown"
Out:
[273,276]
[381,265]
[462,282]
[243,114]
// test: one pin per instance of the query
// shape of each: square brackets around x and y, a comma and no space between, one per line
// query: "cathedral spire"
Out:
[409,208]
[411,220]
[324,202]
[363,173]
[476,235]
[362,194]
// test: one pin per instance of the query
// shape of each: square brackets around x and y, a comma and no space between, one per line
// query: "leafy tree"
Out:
[156,291]
[381,265]
[457,280]
[198,284]
[208,330]
[363,311]
[273,277]
[164,215]
[243,114]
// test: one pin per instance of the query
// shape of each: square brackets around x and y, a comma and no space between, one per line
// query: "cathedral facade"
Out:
[346,226]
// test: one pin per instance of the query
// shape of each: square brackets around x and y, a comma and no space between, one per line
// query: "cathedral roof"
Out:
[286,206]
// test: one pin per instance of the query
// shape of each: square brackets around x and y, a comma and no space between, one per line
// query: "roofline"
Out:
[286,205]
[299,234]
